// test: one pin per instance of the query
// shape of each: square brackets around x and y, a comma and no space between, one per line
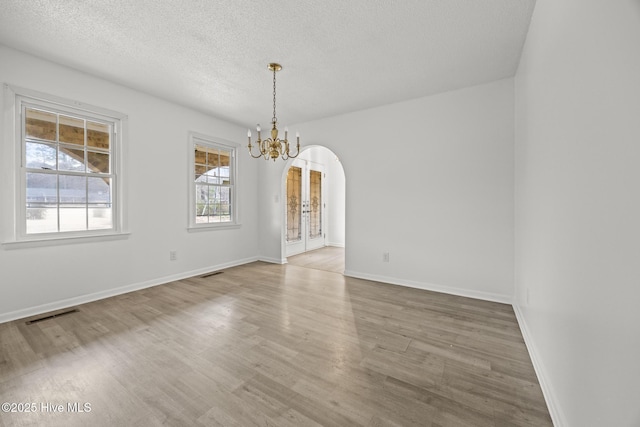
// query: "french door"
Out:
[305,207]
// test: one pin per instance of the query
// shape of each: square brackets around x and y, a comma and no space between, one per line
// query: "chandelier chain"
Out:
[274,120]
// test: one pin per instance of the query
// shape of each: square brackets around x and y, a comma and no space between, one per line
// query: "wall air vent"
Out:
[215,273]
[51,316]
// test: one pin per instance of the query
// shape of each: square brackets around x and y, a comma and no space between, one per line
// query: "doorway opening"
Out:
[305,205]
[314,210]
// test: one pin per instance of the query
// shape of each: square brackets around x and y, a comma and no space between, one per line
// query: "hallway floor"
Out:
[329,258]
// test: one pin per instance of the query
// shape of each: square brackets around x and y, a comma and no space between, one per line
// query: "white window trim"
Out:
[12,214]
[199,138]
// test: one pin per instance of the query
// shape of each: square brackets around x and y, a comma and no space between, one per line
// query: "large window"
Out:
[212,181]
[68,169]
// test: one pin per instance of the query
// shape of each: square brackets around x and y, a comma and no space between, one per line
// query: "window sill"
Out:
[209,227]
[64,240]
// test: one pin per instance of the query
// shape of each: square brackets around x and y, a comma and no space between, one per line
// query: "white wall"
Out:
[429,180]
[36,279]
[337,202]
[578,208]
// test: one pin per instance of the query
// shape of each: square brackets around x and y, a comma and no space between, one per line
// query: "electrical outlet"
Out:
[173,255]
[385,257]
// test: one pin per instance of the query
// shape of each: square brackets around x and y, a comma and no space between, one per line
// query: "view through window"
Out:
[68,171]
[213,183]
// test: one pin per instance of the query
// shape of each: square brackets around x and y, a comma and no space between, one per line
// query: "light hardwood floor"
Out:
[274,345]
[328,258]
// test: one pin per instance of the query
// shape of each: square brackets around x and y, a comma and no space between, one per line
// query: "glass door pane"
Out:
[315,204]
[294,204]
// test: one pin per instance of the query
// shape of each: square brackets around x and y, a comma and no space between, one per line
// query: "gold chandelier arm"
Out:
[261,149]
[255,157]
[286,154]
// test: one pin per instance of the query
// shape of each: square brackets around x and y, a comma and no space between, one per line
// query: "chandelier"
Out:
[274,147]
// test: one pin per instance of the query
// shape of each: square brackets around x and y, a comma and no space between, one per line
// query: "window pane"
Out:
[202,193]
[99,190]
[201,155]
[213,159]
[200,170]
[224,176]
[98,162]
[40,124]
[202,203]
[73,189]
[221,204]
[203,178]
[210,212]
[226,204]
[212,176]
[224,158]
[40,156]
[202,219]
[213,194]
[42,219]
[70,159]
[98,135]
[42,188]
[223,172]
[71,130]
[100,218]
[73,218]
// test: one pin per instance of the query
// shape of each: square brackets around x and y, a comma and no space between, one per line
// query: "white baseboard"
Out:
[83,299]
[337,245]
[487,296]
[549,396]
[273,260]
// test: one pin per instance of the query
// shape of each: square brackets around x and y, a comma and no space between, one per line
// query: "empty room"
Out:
[286,213]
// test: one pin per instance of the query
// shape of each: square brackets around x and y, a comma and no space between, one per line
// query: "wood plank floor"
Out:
[328,258]
[273,345]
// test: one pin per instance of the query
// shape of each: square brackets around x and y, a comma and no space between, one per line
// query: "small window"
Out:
[68,179]
[212,183]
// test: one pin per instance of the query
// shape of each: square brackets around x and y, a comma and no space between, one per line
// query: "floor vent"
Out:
[40,319]
[215,273]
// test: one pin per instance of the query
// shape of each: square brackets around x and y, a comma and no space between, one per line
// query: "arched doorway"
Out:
[313,203]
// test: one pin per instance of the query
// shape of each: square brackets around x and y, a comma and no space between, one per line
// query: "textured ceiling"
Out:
[337,56]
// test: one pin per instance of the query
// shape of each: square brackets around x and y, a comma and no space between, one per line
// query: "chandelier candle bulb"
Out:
[286,133]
